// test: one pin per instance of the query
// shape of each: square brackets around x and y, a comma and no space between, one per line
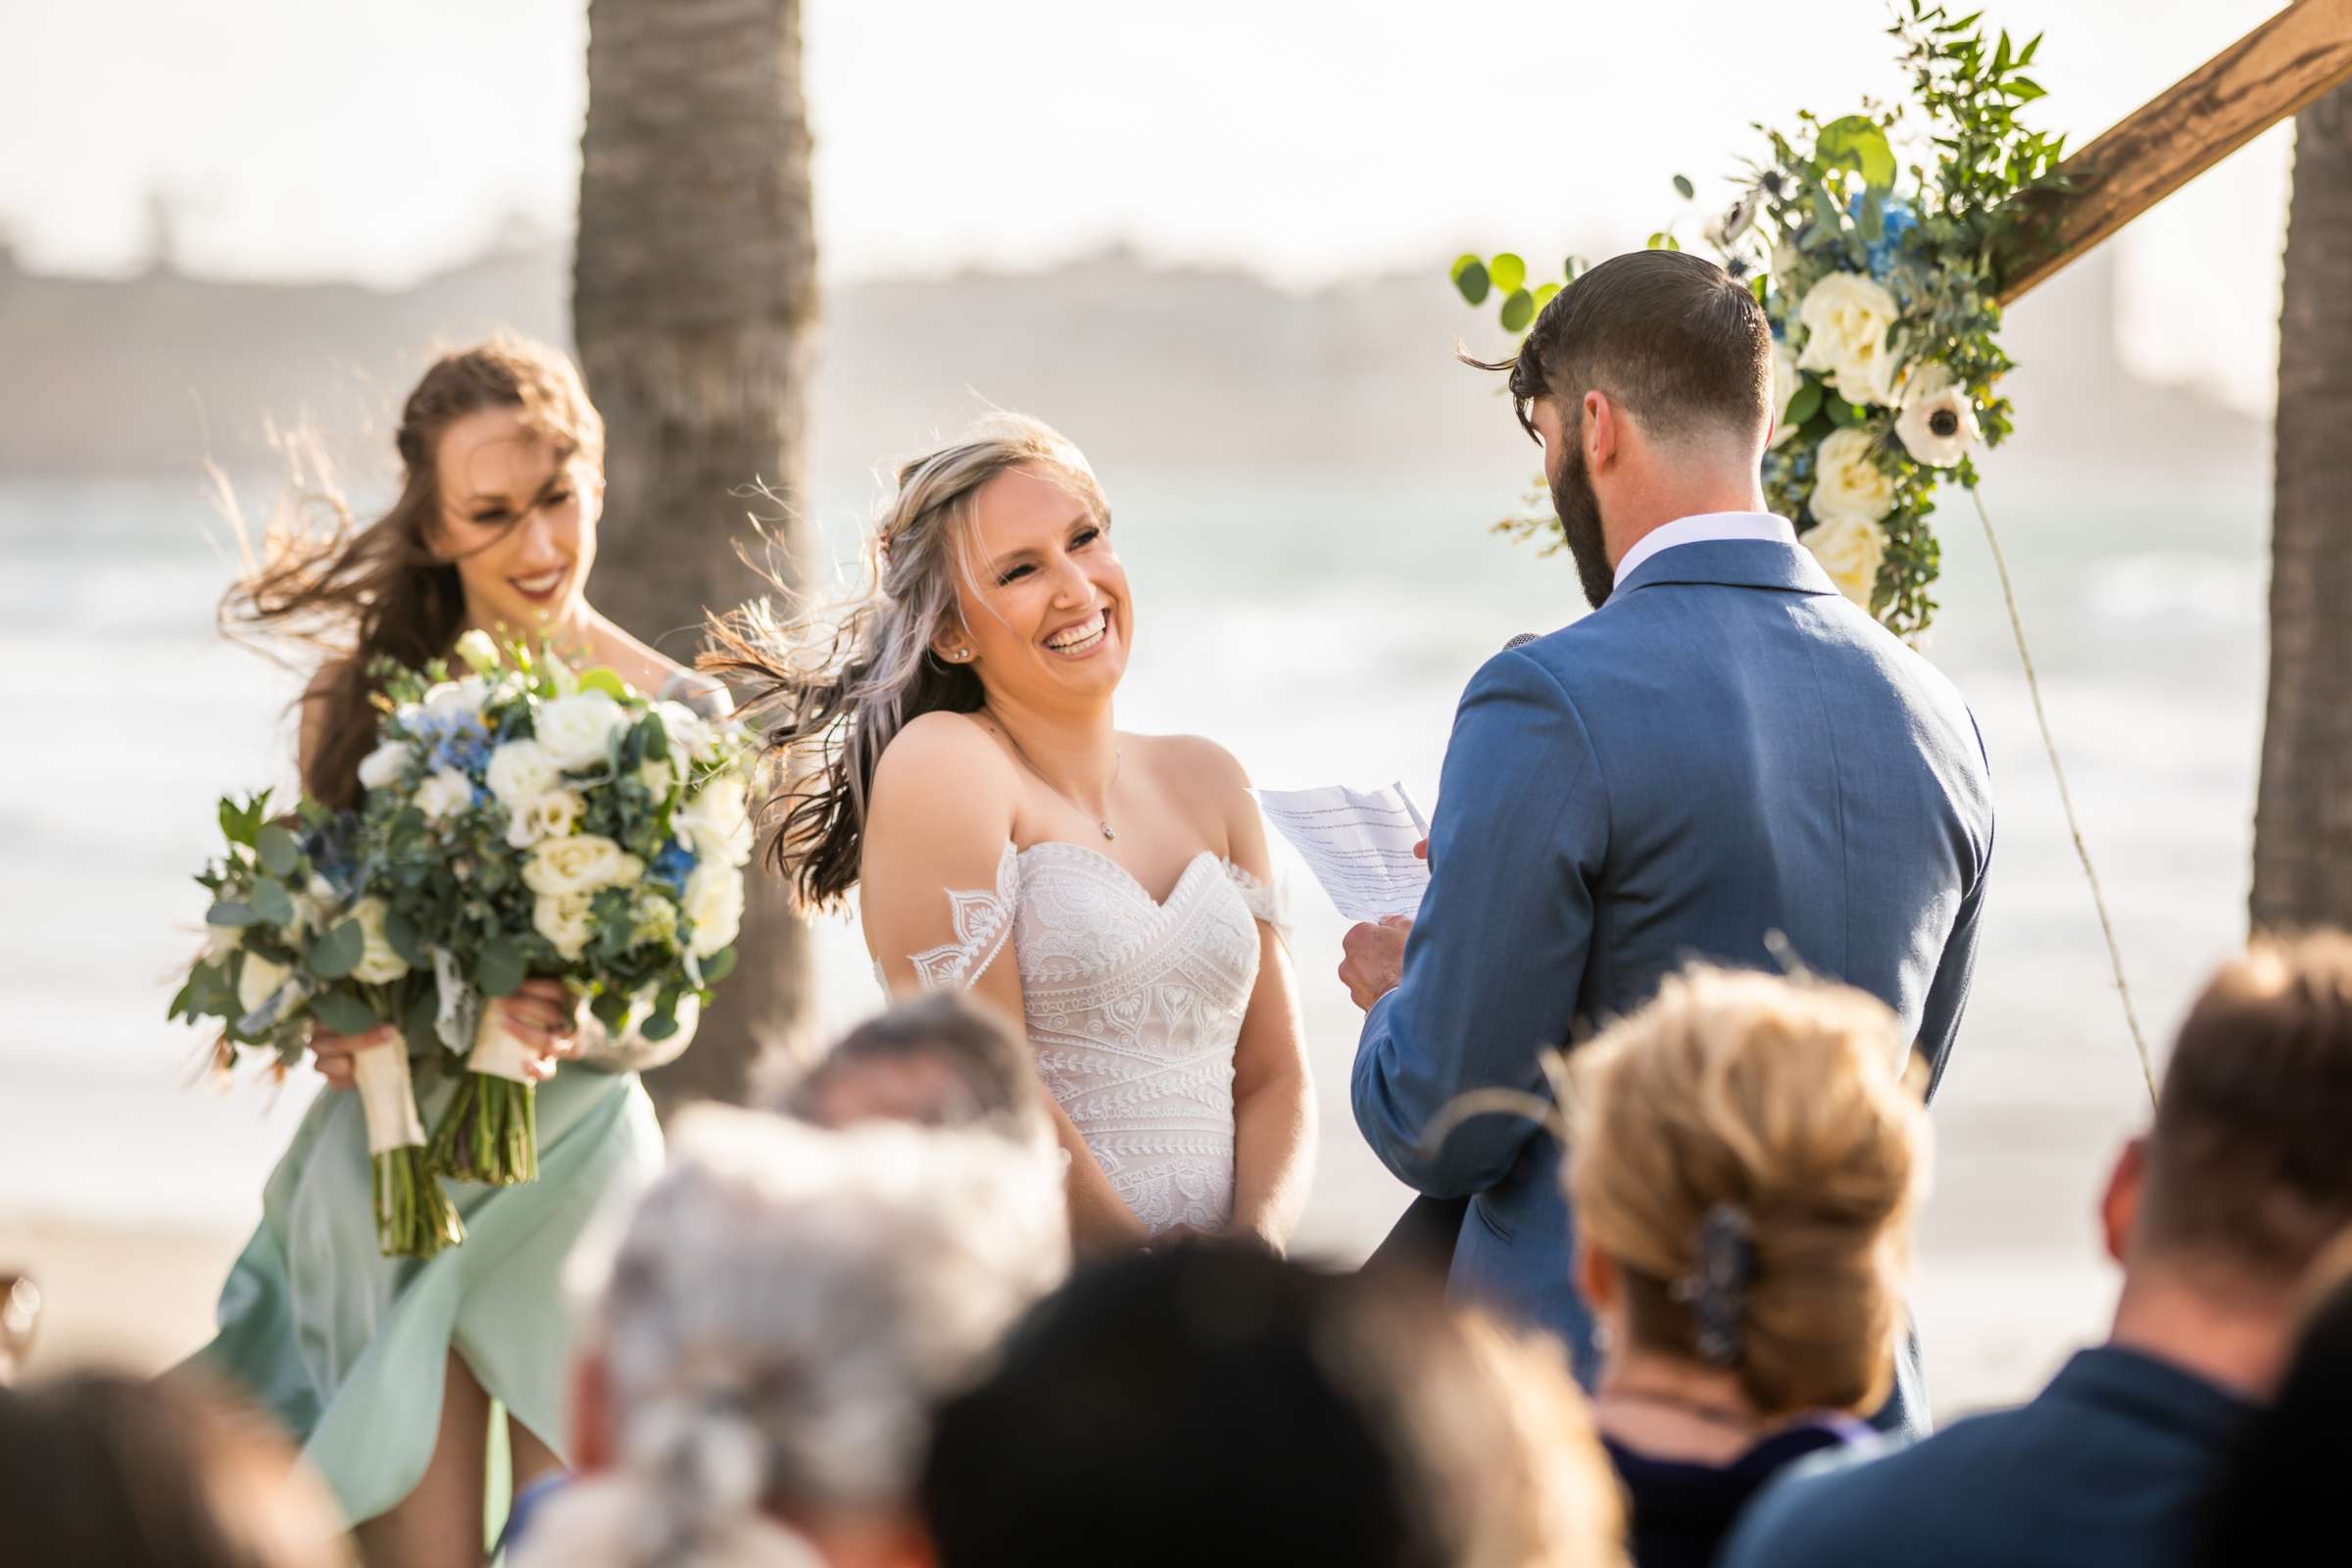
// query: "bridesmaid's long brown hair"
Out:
[356,593]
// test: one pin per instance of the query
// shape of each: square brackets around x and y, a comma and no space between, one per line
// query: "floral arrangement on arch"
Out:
[1880,281]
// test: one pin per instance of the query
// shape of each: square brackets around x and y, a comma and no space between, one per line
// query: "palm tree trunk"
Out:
[695,308]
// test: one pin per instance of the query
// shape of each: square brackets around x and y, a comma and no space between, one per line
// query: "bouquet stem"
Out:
[490,1132]
[412,1215]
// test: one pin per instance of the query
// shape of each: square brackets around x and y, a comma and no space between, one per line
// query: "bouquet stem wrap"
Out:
[490,1132]
[412,1215]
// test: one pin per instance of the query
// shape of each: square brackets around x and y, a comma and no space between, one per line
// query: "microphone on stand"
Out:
[1422,1240]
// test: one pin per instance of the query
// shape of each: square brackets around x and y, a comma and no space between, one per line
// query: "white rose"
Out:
[1785,382]
[383,766]
[716,824]
[219,941]
[478,651]
[562,918]
[520,773]
[552,815]
[456,698]
[578,731]
[380,963]
[1850,549]
[1938,422]
[713,901]
[1848,485]
[1846,319]
[656,777]
[444,795]
[258,980]
[690,734]
[580,864]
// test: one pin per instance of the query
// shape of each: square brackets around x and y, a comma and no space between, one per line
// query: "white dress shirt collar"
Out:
[1706,527]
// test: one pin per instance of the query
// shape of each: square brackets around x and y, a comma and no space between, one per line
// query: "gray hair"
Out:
[787,1304]
[832,689]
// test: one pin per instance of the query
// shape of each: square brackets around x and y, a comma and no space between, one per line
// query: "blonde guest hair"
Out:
[832,688]
[1744,1150]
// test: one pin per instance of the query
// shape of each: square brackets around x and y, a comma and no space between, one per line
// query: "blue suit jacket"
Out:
[2112,1463]
[1726,749]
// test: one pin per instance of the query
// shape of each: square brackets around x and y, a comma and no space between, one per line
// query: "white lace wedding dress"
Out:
[1133,1009]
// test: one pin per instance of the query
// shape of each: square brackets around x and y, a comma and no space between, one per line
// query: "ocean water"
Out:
[1320,628]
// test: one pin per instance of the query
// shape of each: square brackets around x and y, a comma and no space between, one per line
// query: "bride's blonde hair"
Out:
[1745,1120]
[832,687]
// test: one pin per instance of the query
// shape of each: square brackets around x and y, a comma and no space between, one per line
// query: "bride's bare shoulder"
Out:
[941,757]
[1193,764]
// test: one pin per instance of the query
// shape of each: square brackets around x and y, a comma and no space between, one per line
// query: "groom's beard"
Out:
[1579,510]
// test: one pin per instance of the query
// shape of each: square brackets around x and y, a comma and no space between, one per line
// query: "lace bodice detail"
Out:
[1133,1009]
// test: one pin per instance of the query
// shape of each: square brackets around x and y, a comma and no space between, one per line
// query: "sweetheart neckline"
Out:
[1133,881]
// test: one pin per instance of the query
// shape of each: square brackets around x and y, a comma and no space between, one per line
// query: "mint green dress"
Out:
[348,1348]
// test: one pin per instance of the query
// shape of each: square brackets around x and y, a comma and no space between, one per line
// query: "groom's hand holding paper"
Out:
[1360,845]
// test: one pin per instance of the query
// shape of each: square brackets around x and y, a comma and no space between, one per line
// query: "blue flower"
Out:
[1896,219]
[672,867]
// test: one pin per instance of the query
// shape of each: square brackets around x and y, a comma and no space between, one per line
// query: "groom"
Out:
[1724,754]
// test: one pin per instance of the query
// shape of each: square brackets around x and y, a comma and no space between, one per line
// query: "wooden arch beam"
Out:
[2291,59]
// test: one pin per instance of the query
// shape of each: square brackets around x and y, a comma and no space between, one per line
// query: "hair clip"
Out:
[1716,1287]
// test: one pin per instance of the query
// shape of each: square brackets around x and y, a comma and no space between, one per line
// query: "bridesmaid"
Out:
[389,1370]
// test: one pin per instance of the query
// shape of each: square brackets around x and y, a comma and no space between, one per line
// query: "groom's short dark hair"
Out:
[1675,341]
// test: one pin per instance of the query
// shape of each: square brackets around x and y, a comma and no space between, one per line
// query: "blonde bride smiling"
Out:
[950,756]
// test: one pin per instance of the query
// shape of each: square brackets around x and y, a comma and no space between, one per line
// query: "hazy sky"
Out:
[1308,139]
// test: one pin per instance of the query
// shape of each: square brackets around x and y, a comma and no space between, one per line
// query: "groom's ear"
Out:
[1602,430]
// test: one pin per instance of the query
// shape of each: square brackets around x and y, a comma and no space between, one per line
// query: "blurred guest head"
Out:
[994,580]
[1210,1403]
[784,1309]
[1648,375]
[133,1473]
[1745,1159]
[502,480]
[2219,1213]
[2283,1487]
[20,1318]
[941,1060]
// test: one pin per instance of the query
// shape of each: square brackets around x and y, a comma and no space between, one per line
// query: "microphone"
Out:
[1520,641]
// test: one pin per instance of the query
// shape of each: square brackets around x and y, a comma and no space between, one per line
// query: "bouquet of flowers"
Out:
[1882,281]
[519,821]
[527,821]
[294,939]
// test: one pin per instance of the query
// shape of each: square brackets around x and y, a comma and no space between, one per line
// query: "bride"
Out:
[949,753]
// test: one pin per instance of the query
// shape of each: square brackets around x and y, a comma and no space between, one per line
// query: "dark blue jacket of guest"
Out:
[2110,1465]
[1682,1513]
[1726,751]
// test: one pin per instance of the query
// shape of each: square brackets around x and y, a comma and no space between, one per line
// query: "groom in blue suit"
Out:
[1725,756]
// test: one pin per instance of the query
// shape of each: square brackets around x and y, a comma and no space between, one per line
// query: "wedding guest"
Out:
[1745,1159]
[2284,1486]
[388,1371]
[2215,1215]
[767,1341]
[133,1473]
[939,1060]
[1210,1403]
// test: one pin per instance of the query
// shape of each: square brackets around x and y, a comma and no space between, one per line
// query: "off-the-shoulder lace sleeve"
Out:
[983,925]
[1264,898]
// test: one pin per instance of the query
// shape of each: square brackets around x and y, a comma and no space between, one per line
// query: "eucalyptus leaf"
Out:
[718,966]
[271,902]
[500,970]
[608,681]
[231,912]
[1684,188]
[280,853]
[337,952]
[406,940]
[1507,271]
[1518,311]
[1471,279]
[1803,407]
[343,1012]
[612,1010]
[661,1026]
